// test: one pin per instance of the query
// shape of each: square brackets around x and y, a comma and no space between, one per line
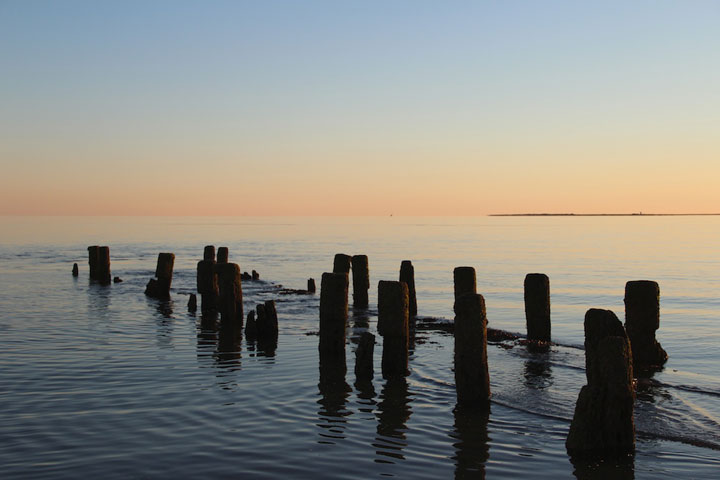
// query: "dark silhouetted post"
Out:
[222,255]
[472,380]
[393,318]
[341,263]
[209,253]
[311,285]
[537,306]
[642,319]
[230,301]
[251,326]
[364,357]
[407,275]
[603,425]
[103,265]
[75,270]
[267,323]
[160,288]
[93,261]
[333,313]
[255,275]
[207,282]
[192,303]
[361,280]
[464,281]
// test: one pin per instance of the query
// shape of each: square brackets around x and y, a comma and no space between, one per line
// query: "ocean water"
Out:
[101,381]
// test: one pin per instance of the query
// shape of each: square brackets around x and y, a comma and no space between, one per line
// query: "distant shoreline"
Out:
[601,214]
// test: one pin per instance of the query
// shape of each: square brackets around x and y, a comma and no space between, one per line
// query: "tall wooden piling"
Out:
[407,275]
[341,263]
[472,379]
[103,265]
[93,261]
[222,255]
[464,281]
[393,325]
[537,306]
[333,313]
[603,424]
[361,280]
[230,300]
[207,282]
[160,287]
[642,319]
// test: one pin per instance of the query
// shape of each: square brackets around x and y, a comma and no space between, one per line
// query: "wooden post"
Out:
[222,255]
[207,283]
[333,313]
[251,327]
[93,261]
[393,318]
[255,275]
[75,270]
[537,306]
[192,303]
[603,424]
[407,275]
[103,265]
[311,285]
[642,319]
[464,281]
[209,253]
[230,294]
[267,325]
[361,280]
[472,379]
[160,288]
[341,263]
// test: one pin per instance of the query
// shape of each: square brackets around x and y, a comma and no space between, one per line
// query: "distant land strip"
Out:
[640,214]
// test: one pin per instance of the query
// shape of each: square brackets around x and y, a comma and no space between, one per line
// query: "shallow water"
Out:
[104,381]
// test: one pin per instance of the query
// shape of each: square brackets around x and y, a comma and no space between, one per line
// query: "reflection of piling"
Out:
[75,271]
[341,263]
[103,265]
[222,255]
[393,326]
[364,357]
[537,306]
[361,280]
[230,301]
[407,275]
[207,283]
[472,379]
[602,425]
[642,318]
[472,442]
[333,313]
[464,281]
[192,303]
[311,285]
[159,287]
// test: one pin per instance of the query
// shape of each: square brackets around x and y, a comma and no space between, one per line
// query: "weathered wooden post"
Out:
[255,275]
[603,425]
[93,261]
[341,263]
[222,255]
[364,357]
[251,326]
[407,275]
[311,285]
[464,281]
[103,265]
[75,270]
[472,379]
[361,280]
[333,314]
[642,318]
[160,288]
[192,303]
[267,323]
[207,282]
[230,301]
[393,318]
[537,306]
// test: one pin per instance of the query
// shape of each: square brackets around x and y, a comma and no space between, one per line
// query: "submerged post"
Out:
[341,263]
[472,379]
[642,319]
[230,300]
[537,306]
[603,424]
[464,281]
[393,319]
[160,288]
[407,275]
[103,265]
[361,280]
[333,313]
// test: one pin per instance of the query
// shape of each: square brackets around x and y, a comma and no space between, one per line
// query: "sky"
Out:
[359,107]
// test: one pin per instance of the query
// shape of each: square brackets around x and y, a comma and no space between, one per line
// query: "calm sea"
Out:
[101,381]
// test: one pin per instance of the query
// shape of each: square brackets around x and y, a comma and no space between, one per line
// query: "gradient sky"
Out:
[359,108]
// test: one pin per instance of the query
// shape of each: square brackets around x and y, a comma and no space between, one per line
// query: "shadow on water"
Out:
[228,357]
[334,391]
[393,412]
[620,469]
[98,301]
[471,441]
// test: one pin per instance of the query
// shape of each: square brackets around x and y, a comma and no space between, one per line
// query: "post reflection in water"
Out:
[619,468]
[164,323]
[393,413]
[538,373]
[334,391]
[471,441]
[228,355]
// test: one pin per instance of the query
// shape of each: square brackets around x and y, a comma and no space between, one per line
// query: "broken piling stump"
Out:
[603,424]
[255,275]
[311,285]
[75,270]
[361,280]
[267,323]
[364,357]
[192,303]
[393,325]
[537,306]
[222,255]
[642,319]
[230,299]
[407,275]
[333,314]
[251,326]
[464,281]
[159,287]
[472,379]
[342,263]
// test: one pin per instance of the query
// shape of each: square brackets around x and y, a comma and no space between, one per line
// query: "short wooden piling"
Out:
[464,281]
[361,280]
[342,263]
[364,357]
[255,275]
[103,265]
[222,255]
[472,379]
[209,253]
[93,261]
[267,325]
[251,326]
[537,306]
[207,283]
[393,325]
[407,275]
[230,300]
[192,303]
[160,288]
[75,270]
[642,319]
[333,313]
[311,285]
